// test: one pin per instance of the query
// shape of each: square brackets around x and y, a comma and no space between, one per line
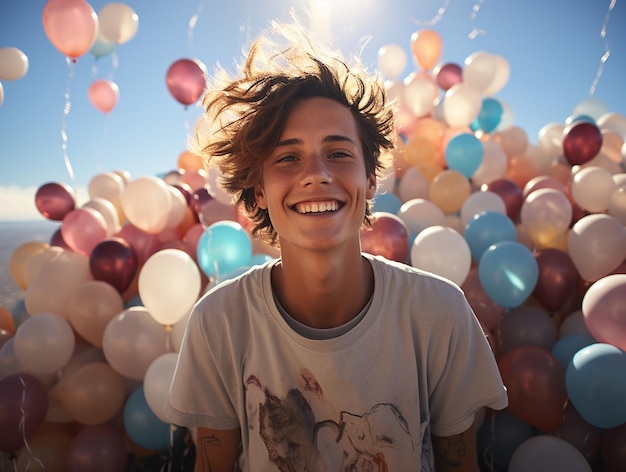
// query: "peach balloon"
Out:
[93,394]
[50,292]
[604,310]
[132,340]
[520,170]
[189,161]
[91,309]
[513,140]
[545,215]
[449,190]
[49,447]
[103,94]
[426,45]
[70,25]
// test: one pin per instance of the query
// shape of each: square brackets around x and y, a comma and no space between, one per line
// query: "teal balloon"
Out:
[101,48]
[464,153]
[490,114]
[487,228]
[223,247]
[142,425]
[595,381]
[508,273]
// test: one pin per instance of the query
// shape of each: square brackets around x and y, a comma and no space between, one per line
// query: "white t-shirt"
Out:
[416,363]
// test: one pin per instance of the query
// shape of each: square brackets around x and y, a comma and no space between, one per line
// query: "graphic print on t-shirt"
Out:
[296,441]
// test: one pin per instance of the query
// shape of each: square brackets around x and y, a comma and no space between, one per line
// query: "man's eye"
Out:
[288,158]
[339,154]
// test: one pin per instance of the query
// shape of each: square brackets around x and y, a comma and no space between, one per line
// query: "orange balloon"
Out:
[7,322]
[188,161]
[521,169]
[19,261]
[71,26]
[426,47]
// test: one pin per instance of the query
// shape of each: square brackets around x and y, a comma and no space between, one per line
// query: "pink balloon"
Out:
[186,80]
[71,26]
[82,229]
[103,95]
[604,310]
[54,200]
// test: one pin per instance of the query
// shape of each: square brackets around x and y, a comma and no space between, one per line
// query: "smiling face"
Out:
[315,185]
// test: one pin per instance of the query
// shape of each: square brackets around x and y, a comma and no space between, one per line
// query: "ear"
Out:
[259,195]
[371,187]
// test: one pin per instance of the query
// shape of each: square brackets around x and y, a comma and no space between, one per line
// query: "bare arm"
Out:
[456,453]
[217,450]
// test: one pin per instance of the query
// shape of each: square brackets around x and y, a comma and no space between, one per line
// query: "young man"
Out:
[326,359]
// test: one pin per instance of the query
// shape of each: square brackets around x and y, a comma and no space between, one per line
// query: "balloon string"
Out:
[22,428]
[66,111]
[607,51]
[476,31]
[192,24]
[437,18]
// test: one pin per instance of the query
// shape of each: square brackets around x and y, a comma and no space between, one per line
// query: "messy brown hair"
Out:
[245,114]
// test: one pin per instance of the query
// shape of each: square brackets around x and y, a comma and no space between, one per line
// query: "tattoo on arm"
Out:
[449,452]
[210,440]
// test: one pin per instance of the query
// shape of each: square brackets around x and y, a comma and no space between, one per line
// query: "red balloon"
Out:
[54,200]
[387,236]
[447,75]
[557,280]
[114,261]
[97,448]
[23,407]
[511,194]
[535,382]
[186,80]
[71,26]
[103,94]
[582,141]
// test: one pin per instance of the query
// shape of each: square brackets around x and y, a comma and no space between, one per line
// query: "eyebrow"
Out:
[333,138]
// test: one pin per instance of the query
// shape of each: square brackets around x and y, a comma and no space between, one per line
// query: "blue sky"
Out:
[553,49]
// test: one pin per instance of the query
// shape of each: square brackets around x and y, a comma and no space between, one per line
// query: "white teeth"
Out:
[317,207]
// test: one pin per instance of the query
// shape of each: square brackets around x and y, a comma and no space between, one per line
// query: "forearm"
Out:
[456,453]
[217,450]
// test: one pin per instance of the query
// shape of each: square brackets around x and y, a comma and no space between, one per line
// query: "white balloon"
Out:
[481,201]
[592,188]
[392,60]
[117,22]
[419,214]
[156,383]
[546,453]
[13,64]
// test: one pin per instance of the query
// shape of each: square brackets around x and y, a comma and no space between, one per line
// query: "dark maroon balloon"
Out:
[99,448]
[186,80]
[54,200]
[613,448]
[387,236]
[114,261]
[57,239]
[511,194]
[582,141]
[447,75]
[23,407]
[557,278]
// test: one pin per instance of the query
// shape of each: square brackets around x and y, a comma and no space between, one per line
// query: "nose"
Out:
[315,171]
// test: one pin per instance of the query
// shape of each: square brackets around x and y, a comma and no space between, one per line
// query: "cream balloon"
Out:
[613,121]
[592,188]
[146,202]
[617,205]
[118,22]
[597,245]
[20,258]
[461,104]
[392,60]
[442,251]
[412,184]
[546,214]
[420,94]
[13,64]
[481,201]
[493,165]
[108,211]
[169,285]
[419,214]
[107,185]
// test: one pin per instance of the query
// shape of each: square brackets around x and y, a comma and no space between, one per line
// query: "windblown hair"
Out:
[245,114]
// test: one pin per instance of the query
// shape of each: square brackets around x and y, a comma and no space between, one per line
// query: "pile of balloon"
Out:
[534,234]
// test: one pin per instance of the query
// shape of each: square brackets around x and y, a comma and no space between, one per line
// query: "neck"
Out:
[323,291]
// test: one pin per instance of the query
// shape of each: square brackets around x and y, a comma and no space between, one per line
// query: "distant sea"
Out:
[12,235]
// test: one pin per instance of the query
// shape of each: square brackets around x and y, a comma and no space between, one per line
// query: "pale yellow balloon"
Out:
[19,260]
[592,188]
[449,190]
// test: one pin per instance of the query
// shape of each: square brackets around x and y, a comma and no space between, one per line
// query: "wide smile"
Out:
[317,207]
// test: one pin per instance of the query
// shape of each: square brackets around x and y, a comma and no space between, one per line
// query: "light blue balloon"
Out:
[101,48]
[223,247]
[487,228]
[387,202]
[490,114]
[142,425]
[464,153]
[595,381]
[565,348]
[508,272]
